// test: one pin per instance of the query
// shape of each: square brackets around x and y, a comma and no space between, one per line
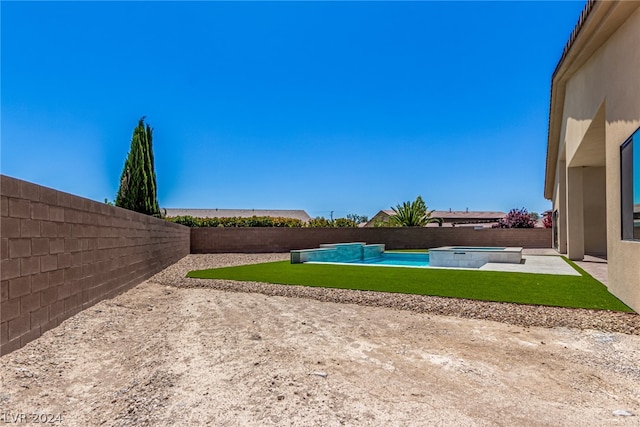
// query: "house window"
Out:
[630,187]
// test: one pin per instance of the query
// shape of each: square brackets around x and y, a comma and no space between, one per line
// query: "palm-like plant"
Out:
[413,214]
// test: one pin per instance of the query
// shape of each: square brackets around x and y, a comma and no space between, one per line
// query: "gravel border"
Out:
[514,314]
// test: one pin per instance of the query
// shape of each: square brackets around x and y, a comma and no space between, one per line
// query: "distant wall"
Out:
[221,240]
[62,253]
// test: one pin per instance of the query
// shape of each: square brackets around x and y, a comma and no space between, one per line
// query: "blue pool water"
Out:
[359,253]
[398,259]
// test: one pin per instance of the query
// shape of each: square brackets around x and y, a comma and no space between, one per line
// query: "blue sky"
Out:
[349,107]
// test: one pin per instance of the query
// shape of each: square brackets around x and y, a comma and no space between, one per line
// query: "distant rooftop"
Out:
[468,214]
[239,213]
[462,215]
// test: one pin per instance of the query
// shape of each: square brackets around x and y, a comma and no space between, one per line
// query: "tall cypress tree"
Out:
[137,190]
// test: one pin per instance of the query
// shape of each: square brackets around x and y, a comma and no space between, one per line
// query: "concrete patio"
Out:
[540,264]
[595,266]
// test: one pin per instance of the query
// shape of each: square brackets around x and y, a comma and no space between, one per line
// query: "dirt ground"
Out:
[161,355]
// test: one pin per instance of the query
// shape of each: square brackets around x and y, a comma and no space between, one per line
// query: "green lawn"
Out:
[541,289]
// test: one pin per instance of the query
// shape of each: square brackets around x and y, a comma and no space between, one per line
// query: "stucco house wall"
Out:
[600,84]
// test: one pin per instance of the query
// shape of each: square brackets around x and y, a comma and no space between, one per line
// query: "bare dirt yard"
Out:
[174,352]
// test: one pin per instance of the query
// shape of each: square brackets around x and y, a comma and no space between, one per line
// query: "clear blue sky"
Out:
[345,107]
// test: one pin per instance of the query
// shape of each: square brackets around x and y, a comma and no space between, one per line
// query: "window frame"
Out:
[627,173]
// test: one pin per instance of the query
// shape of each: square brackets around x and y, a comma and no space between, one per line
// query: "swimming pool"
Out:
[359,253]
[413,259]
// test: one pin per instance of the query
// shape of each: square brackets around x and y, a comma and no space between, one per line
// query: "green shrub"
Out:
[344,222]
[254,221]
[260,221]
[189,221]
[321,221]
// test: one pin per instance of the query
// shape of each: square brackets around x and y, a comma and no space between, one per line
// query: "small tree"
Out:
[358,219]
[137,190]
[412,214]
[516,218]
[321,221]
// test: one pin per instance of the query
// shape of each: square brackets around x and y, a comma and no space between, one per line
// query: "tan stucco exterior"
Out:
[595,107]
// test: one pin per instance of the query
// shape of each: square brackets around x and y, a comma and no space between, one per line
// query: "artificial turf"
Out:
[523,288]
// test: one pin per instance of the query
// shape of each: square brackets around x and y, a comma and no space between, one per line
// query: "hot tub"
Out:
[473,256]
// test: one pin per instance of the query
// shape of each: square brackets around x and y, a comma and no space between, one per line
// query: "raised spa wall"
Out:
[337,252]
[450,256]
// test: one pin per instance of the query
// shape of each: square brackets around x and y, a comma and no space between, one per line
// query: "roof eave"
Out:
[558,85]
[553,137]
[598,21]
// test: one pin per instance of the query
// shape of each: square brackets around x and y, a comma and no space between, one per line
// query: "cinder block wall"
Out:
[221,240]
[62,253]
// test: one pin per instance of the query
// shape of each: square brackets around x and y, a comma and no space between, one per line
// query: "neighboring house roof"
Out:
[485,224]
[456,214]
[468,215]
[239,213]
[452,216]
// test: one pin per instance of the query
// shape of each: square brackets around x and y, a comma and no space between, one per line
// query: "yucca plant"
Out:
[412,214]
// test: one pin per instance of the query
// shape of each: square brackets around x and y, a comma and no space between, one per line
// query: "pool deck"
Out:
[548,261]
[540,264]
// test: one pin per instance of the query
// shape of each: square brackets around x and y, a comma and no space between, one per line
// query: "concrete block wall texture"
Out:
[62,253]
[238,240]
